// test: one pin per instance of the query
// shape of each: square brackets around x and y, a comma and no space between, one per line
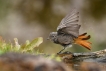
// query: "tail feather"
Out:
[82,40]
[86,37]
[83,34]
[83,37]
[84,43]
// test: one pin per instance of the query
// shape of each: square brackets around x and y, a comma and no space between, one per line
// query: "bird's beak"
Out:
[48,38]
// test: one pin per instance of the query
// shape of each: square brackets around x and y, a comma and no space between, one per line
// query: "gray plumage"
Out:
[67,30]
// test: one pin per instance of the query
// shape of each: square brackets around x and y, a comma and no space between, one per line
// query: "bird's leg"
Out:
[61,50]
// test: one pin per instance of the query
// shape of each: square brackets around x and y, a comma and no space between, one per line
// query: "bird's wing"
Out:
[69,24]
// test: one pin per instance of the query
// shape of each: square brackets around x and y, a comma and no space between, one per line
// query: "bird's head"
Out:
[52,36]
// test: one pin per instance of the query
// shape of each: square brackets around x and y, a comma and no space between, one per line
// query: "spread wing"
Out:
[69,24]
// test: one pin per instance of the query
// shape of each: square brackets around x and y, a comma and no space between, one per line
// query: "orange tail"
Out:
[83,37]
[82,40]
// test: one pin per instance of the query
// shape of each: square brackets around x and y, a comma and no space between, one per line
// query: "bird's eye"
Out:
[53,36]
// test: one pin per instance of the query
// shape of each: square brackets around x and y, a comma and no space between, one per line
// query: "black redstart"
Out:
[68,32]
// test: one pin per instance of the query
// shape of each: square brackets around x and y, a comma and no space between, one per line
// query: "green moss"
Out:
[28,47]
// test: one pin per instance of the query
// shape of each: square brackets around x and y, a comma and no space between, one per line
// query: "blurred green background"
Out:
[29,19]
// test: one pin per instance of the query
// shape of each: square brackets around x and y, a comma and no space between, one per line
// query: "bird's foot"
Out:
[59,53]
[66,52]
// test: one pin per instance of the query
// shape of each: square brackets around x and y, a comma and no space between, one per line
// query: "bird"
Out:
[67,32]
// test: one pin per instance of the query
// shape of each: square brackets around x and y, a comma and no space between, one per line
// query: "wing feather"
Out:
[69,24]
